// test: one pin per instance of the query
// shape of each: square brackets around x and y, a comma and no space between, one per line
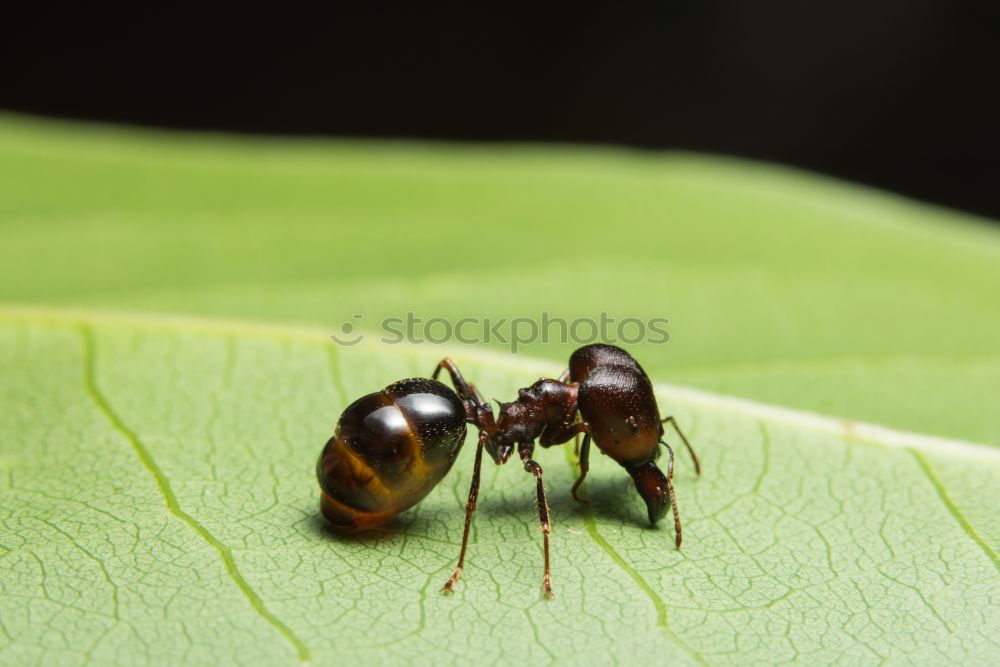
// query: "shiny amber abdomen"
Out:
[390,448]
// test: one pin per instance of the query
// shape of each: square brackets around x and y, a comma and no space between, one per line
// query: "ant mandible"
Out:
[392,447]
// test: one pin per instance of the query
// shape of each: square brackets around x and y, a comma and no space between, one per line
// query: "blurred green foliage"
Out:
[779,286]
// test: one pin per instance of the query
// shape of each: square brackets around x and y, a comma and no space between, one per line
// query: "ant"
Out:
[391,447]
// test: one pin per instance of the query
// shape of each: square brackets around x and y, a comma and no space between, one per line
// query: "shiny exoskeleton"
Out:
[392,447]
[607,388]
[616,400]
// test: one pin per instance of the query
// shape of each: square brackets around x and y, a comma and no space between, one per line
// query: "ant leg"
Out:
[562,434]
[694,457]
[470,507]
[584,467]
[525,450]
[466,390]
[673,498]
[564,376]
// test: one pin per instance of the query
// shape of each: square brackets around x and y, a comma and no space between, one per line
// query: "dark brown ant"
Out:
[391,447]
[615,399]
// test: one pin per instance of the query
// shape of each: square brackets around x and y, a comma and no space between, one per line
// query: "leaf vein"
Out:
[963,522]
[173,506]
[661,608]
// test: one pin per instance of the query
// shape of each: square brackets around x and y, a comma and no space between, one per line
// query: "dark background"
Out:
[899,95]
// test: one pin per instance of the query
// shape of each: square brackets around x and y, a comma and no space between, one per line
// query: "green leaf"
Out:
[159,506]
[779,286]
[157,495]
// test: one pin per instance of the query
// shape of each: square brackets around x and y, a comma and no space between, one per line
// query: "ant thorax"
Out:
[547,404]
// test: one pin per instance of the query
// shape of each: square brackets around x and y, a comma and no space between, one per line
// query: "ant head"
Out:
[498,449]
[506,415]
[487,426]
[510,430]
